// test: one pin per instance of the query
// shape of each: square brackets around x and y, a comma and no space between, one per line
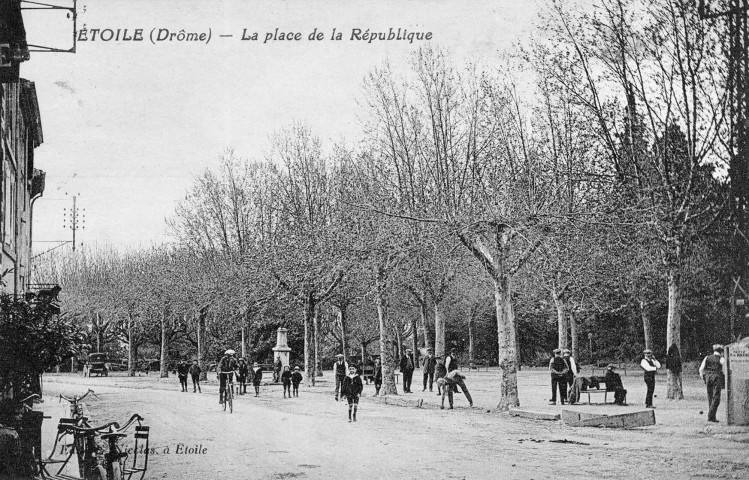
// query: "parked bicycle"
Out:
[76,407]
[90,466]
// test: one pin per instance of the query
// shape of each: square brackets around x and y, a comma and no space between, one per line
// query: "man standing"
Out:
[428,366]
[650,366]
[451,363]
[407,369]
[340,370]
[571,366]
[711,372]
[559,370]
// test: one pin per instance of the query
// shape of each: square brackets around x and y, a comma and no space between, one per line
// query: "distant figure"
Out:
[450,380]
[86,369]
[614,384]
[286,381]
[711,371]
[650,367]
[296,379]
[558,369]
[673,365]
[195,375]
[242,370]
[340,367]
[182,372]
[277,366]
[439,372]
[377,376]
[407,369]
[428,365]
[351,389]
[257,377]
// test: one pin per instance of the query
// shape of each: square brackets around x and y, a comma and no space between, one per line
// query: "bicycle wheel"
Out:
[223,404]
[231,406]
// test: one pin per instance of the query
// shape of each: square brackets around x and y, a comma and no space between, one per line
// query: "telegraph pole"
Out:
[77,218]
[736,15]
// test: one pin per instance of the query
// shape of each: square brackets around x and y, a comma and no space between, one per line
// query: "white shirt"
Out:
[702,366]
[335,365]
[646,366]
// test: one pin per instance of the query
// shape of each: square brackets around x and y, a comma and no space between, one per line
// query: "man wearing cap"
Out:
[428,365]
[571,366]
[614,384]
[226,368]
[340,370]
[407,369]
[558,368]
[711,371]
[650,367]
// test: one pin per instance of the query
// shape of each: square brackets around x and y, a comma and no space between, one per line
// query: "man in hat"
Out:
[182,371]
[407,369]
[226,368]
[571,366]
[558,369]
[614,384]
[650,367]
[340,370]
[711,371]
[428,366]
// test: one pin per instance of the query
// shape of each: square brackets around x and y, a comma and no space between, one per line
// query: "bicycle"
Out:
[228,391]
[84,446]
[76,408]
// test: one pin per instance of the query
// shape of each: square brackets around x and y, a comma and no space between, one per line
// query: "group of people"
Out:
[564,372]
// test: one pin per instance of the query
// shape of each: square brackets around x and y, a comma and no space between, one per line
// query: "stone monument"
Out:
[737,382]
[281,350]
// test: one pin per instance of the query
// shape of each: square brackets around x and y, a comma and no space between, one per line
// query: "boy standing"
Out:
[378,376]
[296,379]
[195,374]
[182,369]
[257,378]
[286,381]
[351,389]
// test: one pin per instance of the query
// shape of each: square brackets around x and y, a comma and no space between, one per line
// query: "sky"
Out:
[129,124]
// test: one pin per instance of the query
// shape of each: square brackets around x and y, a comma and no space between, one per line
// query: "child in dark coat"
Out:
[296,379]
[351,389]
[257,378]
[195,374]
[286,381]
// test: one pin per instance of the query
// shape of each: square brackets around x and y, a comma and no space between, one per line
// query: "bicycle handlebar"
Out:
[33,395]
[101,429]
[77,399]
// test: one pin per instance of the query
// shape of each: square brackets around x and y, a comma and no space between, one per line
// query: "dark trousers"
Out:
[714,384]
[428,377]
[620,395]
[286,388]
[451,386]
[561,384]
[338,383]
[407,377]
[196,383]
[222,384]
[650,383]
[378,386]
[295,389]
[183,382]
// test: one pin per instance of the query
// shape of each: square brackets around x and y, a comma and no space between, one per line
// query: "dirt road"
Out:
[309,437]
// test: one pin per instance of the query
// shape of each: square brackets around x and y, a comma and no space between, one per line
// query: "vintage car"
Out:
[98,364]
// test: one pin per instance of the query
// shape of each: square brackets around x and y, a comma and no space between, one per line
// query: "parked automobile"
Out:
[98,364]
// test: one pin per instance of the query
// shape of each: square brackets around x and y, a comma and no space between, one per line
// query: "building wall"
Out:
[20,133]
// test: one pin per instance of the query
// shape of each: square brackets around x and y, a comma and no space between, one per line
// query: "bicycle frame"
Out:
[229,390]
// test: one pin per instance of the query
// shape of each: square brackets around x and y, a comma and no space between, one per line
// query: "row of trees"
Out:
[588,203]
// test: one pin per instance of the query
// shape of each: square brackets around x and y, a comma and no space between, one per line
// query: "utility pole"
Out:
[77,218]
[736,47]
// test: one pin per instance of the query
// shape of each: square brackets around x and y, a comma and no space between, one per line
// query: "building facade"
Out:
[21,183]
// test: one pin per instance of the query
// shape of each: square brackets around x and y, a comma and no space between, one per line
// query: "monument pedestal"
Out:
[737,382]
[281,350]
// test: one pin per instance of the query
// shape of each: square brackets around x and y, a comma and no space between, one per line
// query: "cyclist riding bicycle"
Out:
[227,366]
